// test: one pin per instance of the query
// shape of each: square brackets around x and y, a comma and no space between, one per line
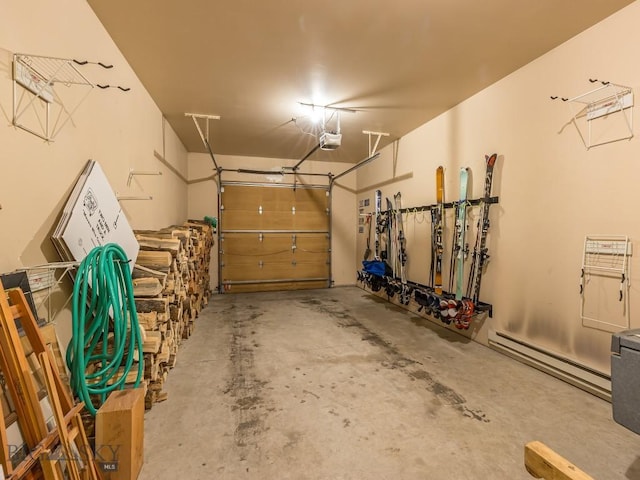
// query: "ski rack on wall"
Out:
[479,307]
[601,102]
[454,204]
[38,106]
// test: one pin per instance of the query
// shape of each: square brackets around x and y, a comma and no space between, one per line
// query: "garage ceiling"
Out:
[396,64]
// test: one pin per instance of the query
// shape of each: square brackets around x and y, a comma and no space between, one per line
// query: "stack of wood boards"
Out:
[171,285]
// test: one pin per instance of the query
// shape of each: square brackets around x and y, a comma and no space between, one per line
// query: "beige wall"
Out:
[203,200]
[553,191]
[119,130]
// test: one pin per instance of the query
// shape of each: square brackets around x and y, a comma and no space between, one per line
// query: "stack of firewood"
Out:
[171,285]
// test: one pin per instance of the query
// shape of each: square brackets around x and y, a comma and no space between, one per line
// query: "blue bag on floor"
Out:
[375,267]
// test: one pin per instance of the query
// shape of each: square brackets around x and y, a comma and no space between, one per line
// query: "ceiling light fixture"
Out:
[329,139]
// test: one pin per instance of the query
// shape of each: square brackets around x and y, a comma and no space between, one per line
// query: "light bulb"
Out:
[315,116]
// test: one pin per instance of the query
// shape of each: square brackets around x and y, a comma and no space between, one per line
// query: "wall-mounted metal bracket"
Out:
[133,173]
[607,100]
[34,80]
[378,135]
[133,197]
[205,136]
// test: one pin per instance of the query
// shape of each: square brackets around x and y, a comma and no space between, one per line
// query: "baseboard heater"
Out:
[578,375]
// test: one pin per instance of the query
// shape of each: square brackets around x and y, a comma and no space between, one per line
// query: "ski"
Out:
[432,266]
[405,291]
[367,250]
[461,232]
[378,207]
[438,230]
[389,246]
[391,250]
[480,251]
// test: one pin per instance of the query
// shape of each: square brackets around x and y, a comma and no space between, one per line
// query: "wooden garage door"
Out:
[274,237]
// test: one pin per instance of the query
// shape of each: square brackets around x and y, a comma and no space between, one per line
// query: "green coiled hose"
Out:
[105,326]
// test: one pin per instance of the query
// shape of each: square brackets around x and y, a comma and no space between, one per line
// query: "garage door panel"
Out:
[271,287]
[311,199]
[242,197]
[254,220]
[311,222]
[238,197]
[267,243]
[311,210]
[274,270]
[319,244]
[278,198]
[255,261]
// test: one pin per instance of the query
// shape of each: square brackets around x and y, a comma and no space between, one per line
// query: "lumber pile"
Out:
[171,286]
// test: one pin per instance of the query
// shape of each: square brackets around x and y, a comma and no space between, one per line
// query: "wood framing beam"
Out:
[542,462]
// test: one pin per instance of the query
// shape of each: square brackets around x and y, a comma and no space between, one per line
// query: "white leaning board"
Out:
[97,219]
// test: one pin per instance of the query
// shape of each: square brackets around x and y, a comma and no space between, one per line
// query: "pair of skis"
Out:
[401,251]
[378,224]
[459,308]
[459,248]
[480,250]
[456,309]
[394,253]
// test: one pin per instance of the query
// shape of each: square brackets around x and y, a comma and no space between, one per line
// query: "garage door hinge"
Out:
[293,210]
[328,211]
[293,262]
[260,210]
[260,263]
[260,237]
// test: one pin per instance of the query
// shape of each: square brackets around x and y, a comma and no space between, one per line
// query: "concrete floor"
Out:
[339,384]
